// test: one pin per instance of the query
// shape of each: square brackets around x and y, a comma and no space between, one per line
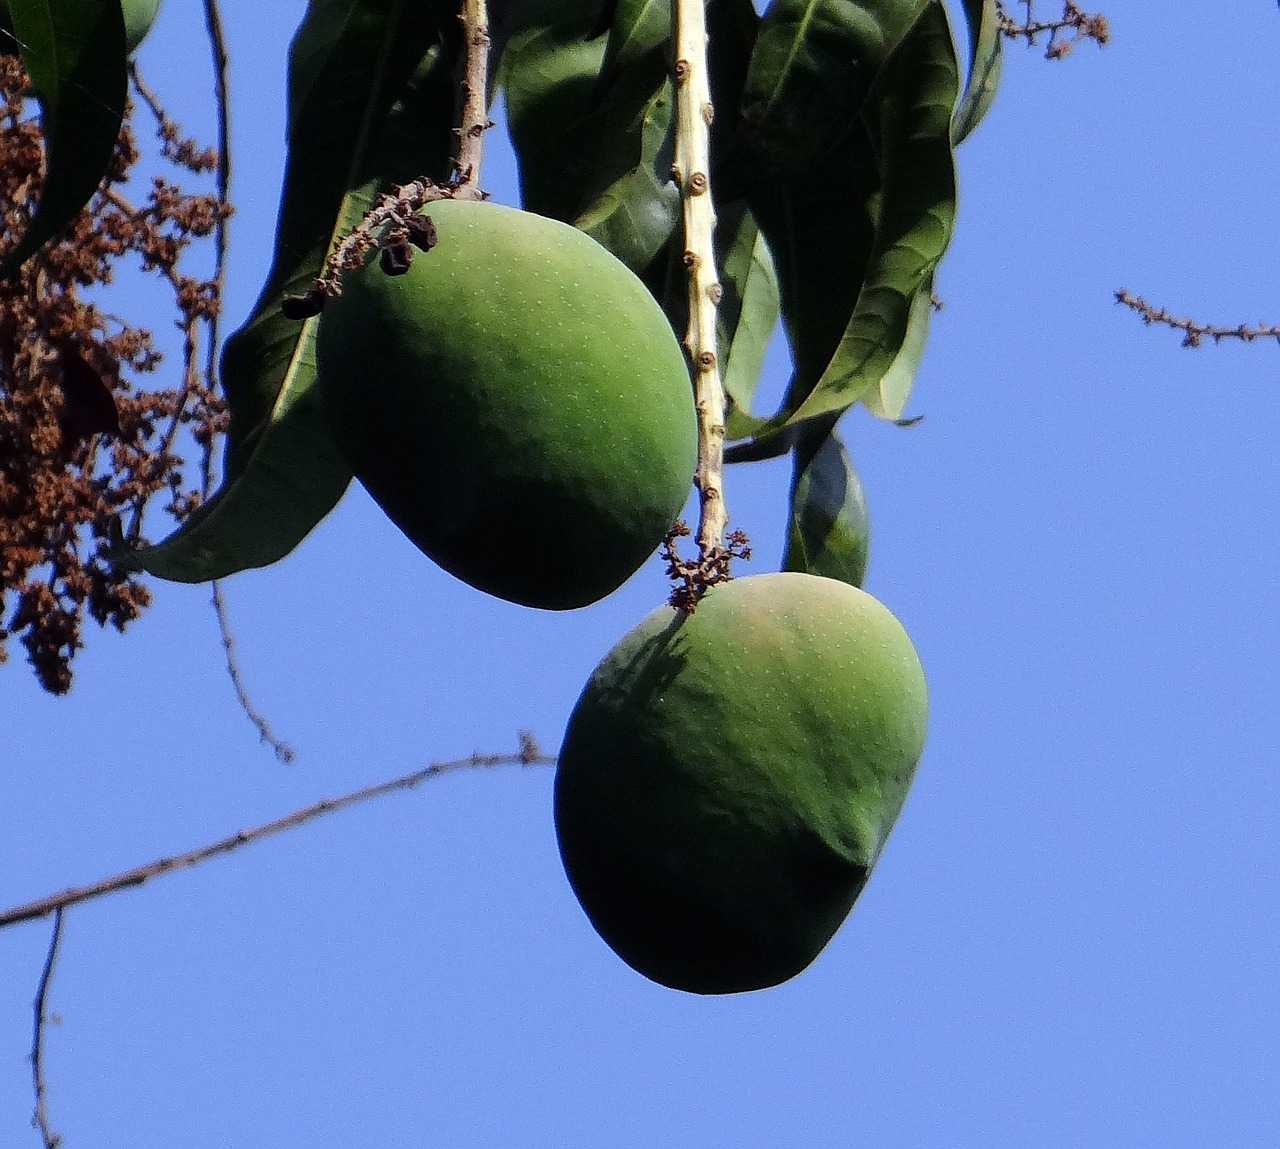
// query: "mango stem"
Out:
[473,117]
[692,172]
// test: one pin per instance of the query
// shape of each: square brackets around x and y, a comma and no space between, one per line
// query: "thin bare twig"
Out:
[279,747]
[40,1117]
[218,48]
[529,754]
[1193,332]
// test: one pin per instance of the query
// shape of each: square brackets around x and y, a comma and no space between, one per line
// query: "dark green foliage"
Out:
[75,55]
[370,104]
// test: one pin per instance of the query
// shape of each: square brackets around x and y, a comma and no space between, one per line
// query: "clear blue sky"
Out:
[1072,938]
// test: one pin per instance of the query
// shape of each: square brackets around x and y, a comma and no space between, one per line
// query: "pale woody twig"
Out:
[692,172]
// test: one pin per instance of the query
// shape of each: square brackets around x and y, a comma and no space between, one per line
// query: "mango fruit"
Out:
[516,402]
[729,777]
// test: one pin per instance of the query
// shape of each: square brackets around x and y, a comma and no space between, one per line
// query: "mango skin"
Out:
[517,403]
[728,778]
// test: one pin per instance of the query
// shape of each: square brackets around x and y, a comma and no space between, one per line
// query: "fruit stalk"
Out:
[692,172]
[473,118]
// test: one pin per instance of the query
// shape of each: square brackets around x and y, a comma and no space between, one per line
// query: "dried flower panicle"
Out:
[1081,24]
[79,444]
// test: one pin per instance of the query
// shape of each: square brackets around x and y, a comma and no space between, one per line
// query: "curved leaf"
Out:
[370,103]
[829,531]
[636,214]
[637,28]
[820,229]
[887,398]
[599,161]
[747,314]
[74,54]
[869,222]
[985,61]
[548,75]
[813,64]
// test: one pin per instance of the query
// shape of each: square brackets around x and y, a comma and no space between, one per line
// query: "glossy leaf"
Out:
[857,235]
[74,54]
[912,127]
[985,62]
[821,243]
[637,28]
[599,160]
[635,215]
[747,315]
[548,76]
[887,398]
[369,105]
[828,530]
[813,65]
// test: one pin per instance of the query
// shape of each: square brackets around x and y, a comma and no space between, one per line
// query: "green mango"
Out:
[516,402]
[729,777]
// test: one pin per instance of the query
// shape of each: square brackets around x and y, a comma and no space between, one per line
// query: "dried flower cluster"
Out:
[1083,26]
[79,444]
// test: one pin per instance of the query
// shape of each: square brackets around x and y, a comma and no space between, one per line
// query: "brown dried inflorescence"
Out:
[1081,24]
[80,446]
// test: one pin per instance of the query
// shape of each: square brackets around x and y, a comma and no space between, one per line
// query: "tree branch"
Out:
[528,754]
[473,119]
[282,750]
[40,1118]
[1194,333]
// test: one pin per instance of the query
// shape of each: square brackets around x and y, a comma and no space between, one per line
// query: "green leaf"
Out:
[636,214]
[747,315]
[637,28]
[828,528]
[598,160]
[887,399]
[857,237]
[912,127]
[548,74]
[985,61]
[370,104]
[813,65]
[821,241]
[74,54]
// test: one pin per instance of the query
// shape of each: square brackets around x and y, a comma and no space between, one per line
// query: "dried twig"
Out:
[529,754]
[222,182]
[279,747]
[693,577]
[40,1117]
[1193,332]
